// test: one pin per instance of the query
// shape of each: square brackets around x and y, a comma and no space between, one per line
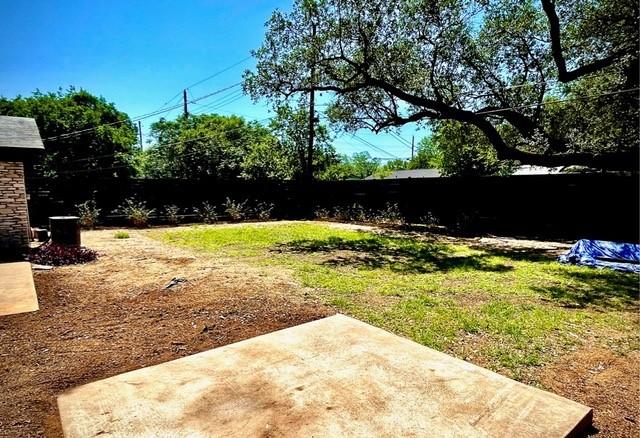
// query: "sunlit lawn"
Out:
[513,309]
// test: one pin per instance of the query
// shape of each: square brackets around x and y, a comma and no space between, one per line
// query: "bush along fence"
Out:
[571,206]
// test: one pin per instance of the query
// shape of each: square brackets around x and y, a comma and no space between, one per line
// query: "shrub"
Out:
[390,215]
[322,213]
[341,214]
[235,209]
[263,210]
[59,255]
[429,219]
[354,212]
[171,213]
[88,213]
[206,213]
[357,213]
[121,235]
[136,211]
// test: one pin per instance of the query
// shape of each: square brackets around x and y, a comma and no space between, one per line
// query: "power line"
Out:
[549,102]
[219,99]
[163,144]
[367,143]
[142,117]
[527,84]
[218,103]
[176,96]
[219,72]
[402,141]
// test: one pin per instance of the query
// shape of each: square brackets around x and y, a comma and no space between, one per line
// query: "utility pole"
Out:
[140,133]
[312,116]
[184,100]
[413,140]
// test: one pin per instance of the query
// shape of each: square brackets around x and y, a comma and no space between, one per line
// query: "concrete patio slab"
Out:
[17,291]
[332,377]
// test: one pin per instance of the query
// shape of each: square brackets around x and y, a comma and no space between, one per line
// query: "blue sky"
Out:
[138,54]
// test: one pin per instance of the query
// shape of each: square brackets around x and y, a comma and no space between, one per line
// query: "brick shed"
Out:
[19,141]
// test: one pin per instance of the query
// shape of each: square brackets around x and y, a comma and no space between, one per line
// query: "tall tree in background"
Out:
[104,151]
[458,149]
[206,146]
[291,126]
[546,83]
[359,166]
[229,147]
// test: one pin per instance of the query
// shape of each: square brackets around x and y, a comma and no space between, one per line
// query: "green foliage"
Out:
[121,235]
[268,159]
[461,150]
[205,146]
[321,213]
[136,211]
[390,214]
[495,65]
[206,213]
[228,147]
[291,126]
[359,166]
[88,213]
[263,210]
[236,210]
[171,213]
[105,151]
[428,155]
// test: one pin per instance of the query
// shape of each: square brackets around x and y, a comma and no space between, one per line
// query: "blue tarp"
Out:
[602,254]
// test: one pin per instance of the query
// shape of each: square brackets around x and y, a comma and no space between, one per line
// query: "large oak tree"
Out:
[547,82]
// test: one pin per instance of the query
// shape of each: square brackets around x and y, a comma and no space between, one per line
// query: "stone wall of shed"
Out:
[14,216]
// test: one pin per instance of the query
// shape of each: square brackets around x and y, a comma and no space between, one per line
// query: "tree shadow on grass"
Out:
[596,287]
[396,254]
[570,288]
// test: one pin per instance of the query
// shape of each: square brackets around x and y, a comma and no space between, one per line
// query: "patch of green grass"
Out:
[516,308]
[121,235]
[249,240]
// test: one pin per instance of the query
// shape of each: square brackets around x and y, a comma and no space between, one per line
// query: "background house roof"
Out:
[19,133]
[415,173]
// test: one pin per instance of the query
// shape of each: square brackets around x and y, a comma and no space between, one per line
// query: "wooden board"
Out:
[17,291]
[333,377]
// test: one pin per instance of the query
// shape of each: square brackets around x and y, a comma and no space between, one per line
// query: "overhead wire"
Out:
[219,72]
[402,141]
[222,101]
[163,144]
[142,117]
[371,145]
[550,102]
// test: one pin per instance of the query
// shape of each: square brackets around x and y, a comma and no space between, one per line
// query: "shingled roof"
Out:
[19,137]
[19,132]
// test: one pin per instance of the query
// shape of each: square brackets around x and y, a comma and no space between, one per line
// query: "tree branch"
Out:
[397,120]
[623,160]
[556,49]
[522,123]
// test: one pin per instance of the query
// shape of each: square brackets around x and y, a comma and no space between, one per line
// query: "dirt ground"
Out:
[114,315]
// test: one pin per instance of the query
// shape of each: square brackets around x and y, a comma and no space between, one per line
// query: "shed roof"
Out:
[19,133]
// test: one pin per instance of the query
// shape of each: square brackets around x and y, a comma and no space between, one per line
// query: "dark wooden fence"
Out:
[555,206]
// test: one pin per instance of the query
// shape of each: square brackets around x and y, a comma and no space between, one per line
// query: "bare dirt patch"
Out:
[114,315]
[604,380]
